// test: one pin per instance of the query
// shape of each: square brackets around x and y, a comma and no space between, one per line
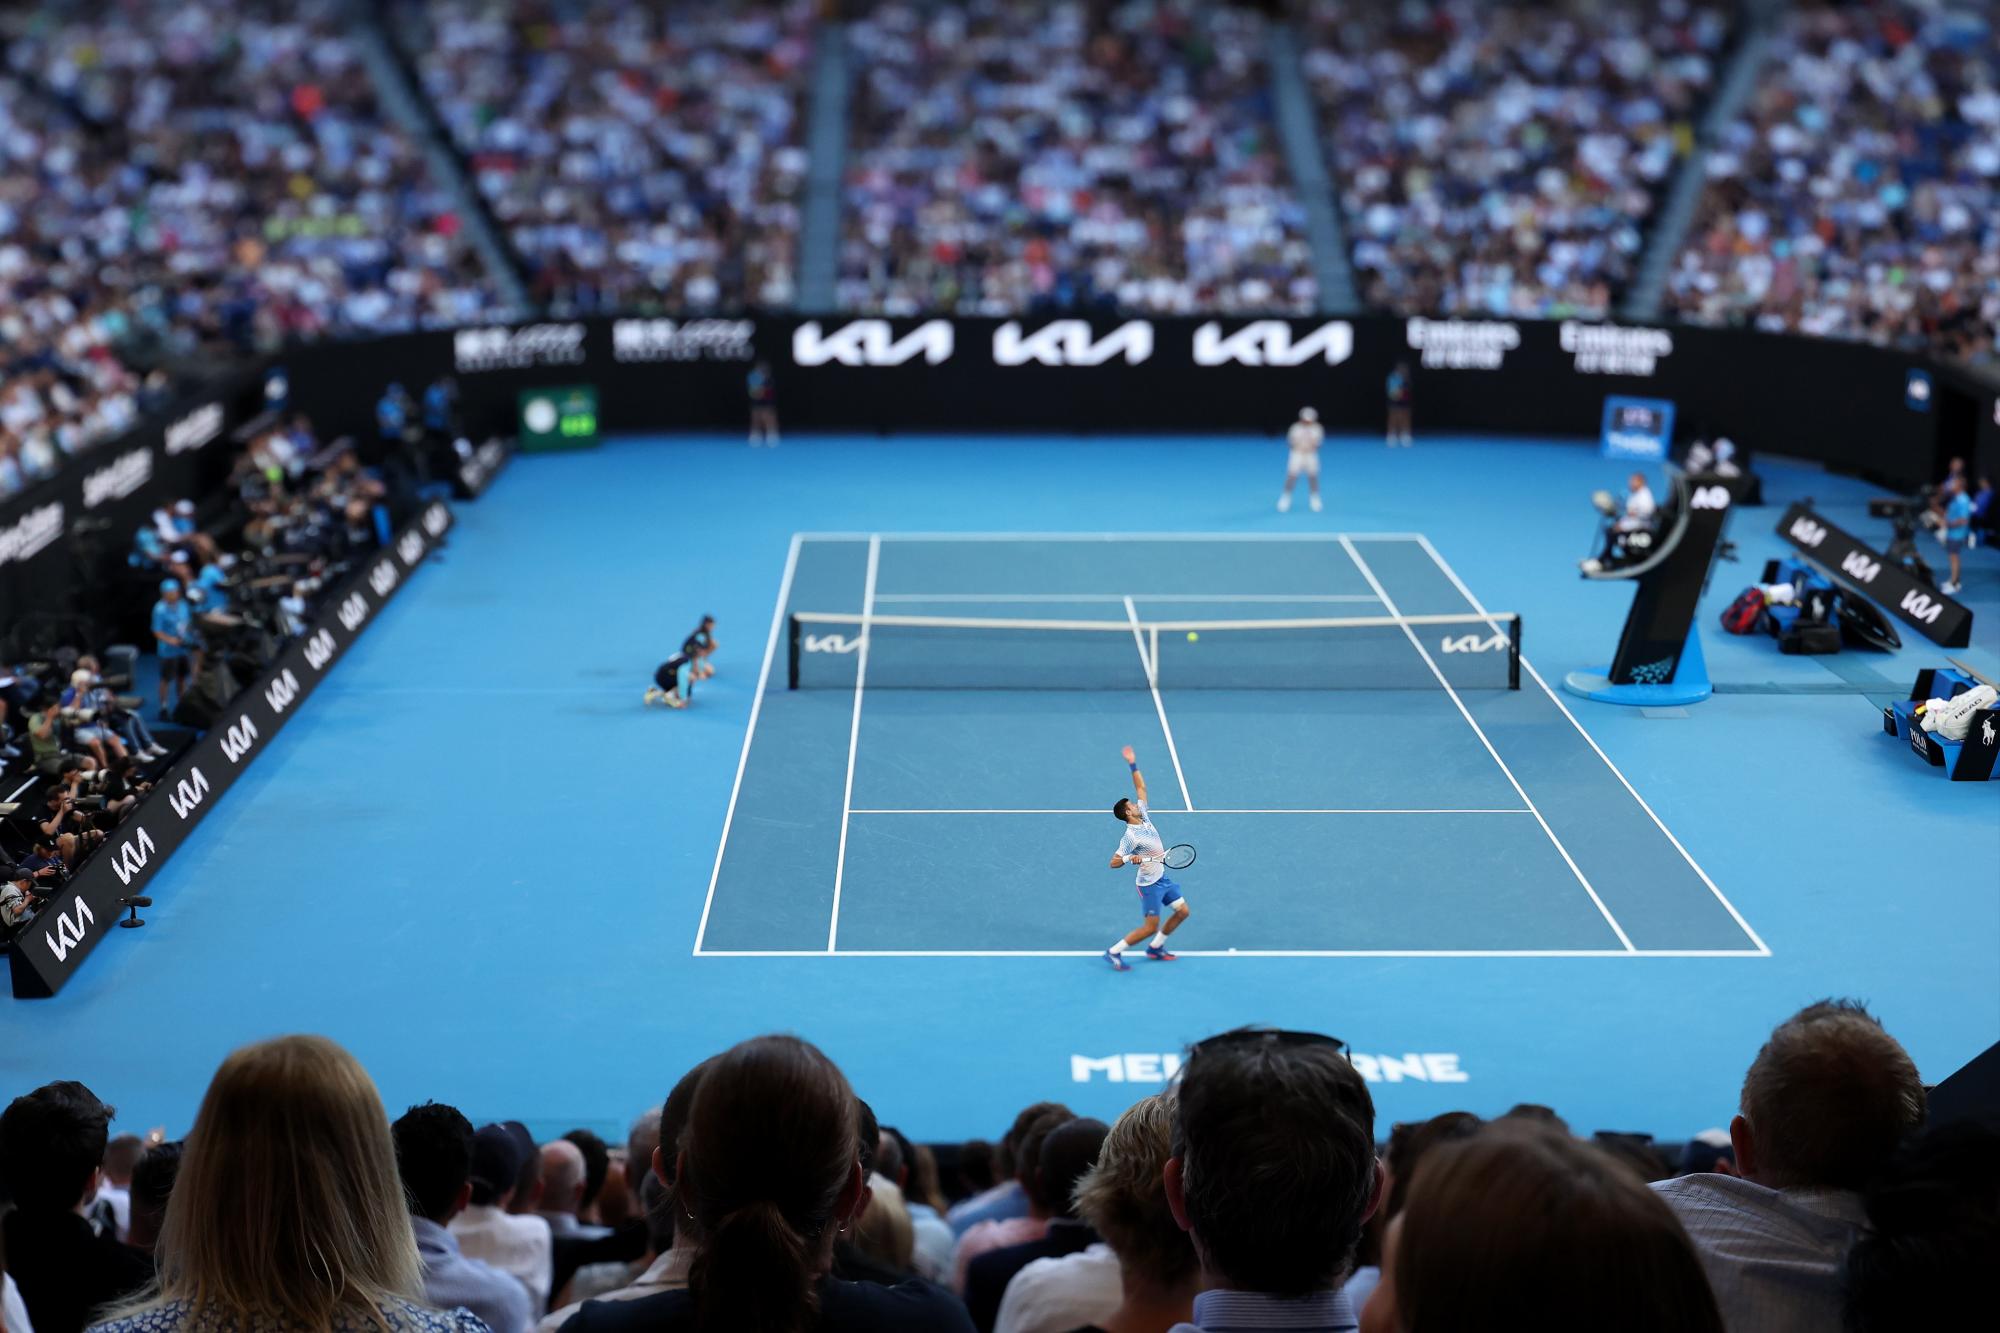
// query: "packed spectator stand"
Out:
[1505,159]
[1008,156]
[639,156]
[766,1193]
[1858,195]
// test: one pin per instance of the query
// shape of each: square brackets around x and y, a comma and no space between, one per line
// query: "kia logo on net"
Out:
[319,649]
[1806,532]
[281,692]
[353,611]
[187,793]
[131,856]
[1472,643]
[382,578]
[869,342]
[237,740]
[1069,342]
[830,643]
[1860,566]
[68,930]
[1269,342]
[411,548]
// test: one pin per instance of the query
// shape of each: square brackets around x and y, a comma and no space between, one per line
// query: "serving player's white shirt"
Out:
[1304,438]
[1143,838]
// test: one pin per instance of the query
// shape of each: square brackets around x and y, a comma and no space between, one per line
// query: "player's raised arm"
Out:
[1138,778]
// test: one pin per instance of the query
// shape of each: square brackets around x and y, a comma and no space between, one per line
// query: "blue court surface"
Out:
[477,860]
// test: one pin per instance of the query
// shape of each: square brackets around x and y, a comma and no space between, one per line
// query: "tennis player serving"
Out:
[1141,846]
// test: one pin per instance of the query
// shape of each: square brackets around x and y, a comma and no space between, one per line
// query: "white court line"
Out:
[1762,948]
[1478,731]
[1240,953]
[1509,810]
[1151,668]
[853,738]
[1116,597]
[749,732]
[1109,536]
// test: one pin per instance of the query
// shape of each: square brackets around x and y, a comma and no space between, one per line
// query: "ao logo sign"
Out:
[1860,566]
[1807,533]
[353,611]
[281,692]
[319,649]
[1269,342]
[236,741]
[68,932]
[1709,497]
[1067,342]
[1472,643]
[188,792]
[869,342]
[831,643]
[382,578]
[1921,607]
[132,855]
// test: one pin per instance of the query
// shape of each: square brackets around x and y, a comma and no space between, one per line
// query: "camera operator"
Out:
[17,907]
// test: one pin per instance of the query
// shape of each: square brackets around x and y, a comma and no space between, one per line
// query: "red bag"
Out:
[1742,615]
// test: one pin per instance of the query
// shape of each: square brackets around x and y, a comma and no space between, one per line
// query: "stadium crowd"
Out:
[1008,156]
[1505,159]
[640,156]
[1858,195]
[763,1194]
[184,177]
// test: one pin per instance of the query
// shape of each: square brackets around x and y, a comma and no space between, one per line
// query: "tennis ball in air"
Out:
[1193,637]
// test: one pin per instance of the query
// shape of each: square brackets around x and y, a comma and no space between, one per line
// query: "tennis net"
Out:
[832,650]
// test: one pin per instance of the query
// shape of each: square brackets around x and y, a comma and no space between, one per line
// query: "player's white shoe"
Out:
[1314,502]
[1285,503]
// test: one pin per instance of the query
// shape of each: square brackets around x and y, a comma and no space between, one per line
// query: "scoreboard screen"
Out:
[558,418]
[1637,428]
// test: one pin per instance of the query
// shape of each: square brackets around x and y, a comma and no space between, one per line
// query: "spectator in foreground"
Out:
[152,1186]
[563,1184]
[1933,1230]
[1143,1277]
[486,1230]
[1408,1145]
[670,1231]
[1273,1175]
[596,1166]
[1553,1233]
[51,1152]
[434,1158]
[1005,1198]
[287,1212]
[1823,1107]
[1067,1153]
[999,1233]
[770,1173]
[114,1190]
[913,1171]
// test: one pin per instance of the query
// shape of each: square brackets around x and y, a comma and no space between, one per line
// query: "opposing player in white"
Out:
[1304,437]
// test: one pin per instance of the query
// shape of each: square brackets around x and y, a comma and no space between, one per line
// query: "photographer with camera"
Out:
[86,721]
[87,682]
[45,739]
[17,907]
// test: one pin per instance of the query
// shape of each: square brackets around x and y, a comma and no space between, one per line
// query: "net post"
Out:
[1153,655]
[1514,653]
[792,652]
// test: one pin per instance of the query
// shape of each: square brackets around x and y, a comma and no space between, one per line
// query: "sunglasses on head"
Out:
[1238,1037]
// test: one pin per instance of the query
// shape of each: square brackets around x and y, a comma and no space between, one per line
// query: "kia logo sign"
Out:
[281,693]
[1919,606]
[869,342]
[68,931]
[1807,533]
[383,578]
[353,610]
[188,792]
[436,519]
[1858,565]
[1069,342]
[319,649]
[240,736]
[132,856]
[411,547]
[1269,342]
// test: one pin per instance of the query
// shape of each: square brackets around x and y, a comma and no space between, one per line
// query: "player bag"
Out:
[1742,615]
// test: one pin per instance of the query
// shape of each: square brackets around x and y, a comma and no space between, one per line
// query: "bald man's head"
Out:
[562,1176]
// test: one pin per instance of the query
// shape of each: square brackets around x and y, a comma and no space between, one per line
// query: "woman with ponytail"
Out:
[768,1176]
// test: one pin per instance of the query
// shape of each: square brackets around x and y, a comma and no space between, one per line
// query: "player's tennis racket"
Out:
[1177,857]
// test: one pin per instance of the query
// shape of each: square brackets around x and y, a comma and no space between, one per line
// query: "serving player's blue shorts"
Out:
[1162,892]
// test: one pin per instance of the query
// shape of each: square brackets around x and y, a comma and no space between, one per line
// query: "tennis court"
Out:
[1366,787]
